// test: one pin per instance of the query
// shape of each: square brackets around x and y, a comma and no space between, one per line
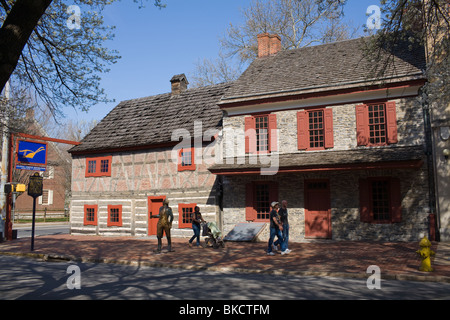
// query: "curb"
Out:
[68,258]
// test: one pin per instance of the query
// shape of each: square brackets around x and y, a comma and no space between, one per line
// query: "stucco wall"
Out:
[134,177]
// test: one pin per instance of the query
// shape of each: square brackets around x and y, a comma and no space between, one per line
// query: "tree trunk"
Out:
[15,32]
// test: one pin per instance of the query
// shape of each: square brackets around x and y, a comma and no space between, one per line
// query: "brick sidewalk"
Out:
[397,260]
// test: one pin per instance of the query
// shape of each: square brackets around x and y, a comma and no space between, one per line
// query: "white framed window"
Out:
[49,173]
[47,198]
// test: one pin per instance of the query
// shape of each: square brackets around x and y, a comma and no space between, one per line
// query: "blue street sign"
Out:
[33,153]
[32,168]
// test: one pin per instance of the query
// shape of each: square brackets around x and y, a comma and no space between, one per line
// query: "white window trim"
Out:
[49,198]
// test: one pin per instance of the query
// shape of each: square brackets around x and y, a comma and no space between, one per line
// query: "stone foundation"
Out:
[344,194]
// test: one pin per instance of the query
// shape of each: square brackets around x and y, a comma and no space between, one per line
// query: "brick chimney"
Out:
[179,83]
[268,44]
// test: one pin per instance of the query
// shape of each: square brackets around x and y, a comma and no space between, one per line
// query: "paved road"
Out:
[24,231]
[25,278]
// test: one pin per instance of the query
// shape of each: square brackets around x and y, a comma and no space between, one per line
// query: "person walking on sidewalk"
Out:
[283,213]
[196,220]
[276,228]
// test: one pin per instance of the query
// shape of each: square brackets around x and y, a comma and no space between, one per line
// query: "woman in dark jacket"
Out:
[196,220]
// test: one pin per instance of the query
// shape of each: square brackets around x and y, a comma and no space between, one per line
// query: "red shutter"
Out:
[273,134]
[391,120]
[329,139]
[250,135]
[396,200]
[250,212]
[362,125]
[302,130]
[364,200]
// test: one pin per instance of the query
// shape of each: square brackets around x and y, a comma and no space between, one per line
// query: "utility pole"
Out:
[4,162]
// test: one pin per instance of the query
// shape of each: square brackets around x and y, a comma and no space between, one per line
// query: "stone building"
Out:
[346,151]
[310,125]
[142,152]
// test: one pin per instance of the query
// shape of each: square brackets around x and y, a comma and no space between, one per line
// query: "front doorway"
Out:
[154,203]
[317,209]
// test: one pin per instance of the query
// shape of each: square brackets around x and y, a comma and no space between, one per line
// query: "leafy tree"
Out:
[412,23]
[57,51]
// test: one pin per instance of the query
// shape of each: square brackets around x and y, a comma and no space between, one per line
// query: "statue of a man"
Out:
[164,224]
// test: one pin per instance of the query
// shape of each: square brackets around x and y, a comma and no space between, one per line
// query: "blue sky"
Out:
[157,44]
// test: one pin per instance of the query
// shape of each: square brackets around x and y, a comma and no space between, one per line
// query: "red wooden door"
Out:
[154,203]
[317,209]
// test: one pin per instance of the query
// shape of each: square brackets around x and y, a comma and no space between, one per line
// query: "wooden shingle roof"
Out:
[151,120]
[333,66]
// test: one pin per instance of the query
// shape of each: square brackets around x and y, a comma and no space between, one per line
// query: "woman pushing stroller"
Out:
[196,220]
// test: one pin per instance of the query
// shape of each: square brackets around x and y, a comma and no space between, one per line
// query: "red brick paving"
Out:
[395,259]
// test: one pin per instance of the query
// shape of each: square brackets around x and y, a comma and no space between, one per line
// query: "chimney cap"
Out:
[179,78]
[268,35]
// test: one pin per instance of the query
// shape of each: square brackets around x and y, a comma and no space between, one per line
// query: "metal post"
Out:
[8,222]
[34,191]
[33,223]
[13,205]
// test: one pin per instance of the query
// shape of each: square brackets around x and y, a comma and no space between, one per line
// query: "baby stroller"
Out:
[214,235]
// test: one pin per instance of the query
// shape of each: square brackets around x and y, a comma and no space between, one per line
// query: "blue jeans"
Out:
[285,234]
[196,229]
[275,232]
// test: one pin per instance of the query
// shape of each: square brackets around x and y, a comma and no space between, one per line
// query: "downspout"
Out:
[219,191]
[430,159]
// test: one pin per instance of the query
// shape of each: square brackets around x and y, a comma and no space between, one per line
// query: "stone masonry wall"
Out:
[344,196]
[344,186]
[409,127]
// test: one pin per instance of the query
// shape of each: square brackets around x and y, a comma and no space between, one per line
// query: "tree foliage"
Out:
[219,70]
[411,23]
[299,23]
[61,59]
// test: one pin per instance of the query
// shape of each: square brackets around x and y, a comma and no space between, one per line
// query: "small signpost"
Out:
[35,188]
[32,156]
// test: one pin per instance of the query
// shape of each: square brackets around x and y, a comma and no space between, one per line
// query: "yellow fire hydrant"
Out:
[425,254]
